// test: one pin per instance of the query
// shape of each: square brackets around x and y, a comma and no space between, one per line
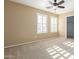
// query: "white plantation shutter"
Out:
[41,23]
[53,24]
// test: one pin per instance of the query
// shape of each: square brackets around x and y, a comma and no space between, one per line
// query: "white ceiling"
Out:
[42,4]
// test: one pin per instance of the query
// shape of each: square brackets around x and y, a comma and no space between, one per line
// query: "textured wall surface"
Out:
[20,24]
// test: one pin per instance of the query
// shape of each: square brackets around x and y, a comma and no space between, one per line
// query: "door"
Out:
[70,27]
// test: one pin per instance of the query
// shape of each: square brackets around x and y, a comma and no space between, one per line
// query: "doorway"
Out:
[70,27]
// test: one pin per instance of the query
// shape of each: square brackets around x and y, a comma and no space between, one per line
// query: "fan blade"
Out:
[61,6]
[55,4]
[50,2]
[49,7]
[61,2]
[55,1]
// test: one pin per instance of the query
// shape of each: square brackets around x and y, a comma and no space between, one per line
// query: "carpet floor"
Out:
[52,48]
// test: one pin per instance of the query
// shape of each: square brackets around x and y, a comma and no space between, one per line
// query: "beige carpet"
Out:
[52,48]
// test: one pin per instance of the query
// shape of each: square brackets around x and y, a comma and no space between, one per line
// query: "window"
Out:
[41,23]
[53,24]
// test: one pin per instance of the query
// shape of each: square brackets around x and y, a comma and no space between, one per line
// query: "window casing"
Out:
[41,23]
[53,24]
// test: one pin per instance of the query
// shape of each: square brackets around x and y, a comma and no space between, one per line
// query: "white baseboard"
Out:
[25,43]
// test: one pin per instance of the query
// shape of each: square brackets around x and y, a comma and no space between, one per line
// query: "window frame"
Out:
[42,31]
[54,24]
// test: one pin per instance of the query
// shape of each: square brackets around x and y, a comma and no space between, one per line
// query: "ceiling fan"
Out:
[55,4]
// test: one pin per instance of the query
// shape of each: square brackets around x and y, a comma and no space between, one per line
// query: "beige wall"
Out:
[20,24]
[62,23]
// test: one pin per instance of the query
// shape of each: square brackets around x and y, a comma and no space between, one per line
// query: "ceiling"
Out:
[42,4]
